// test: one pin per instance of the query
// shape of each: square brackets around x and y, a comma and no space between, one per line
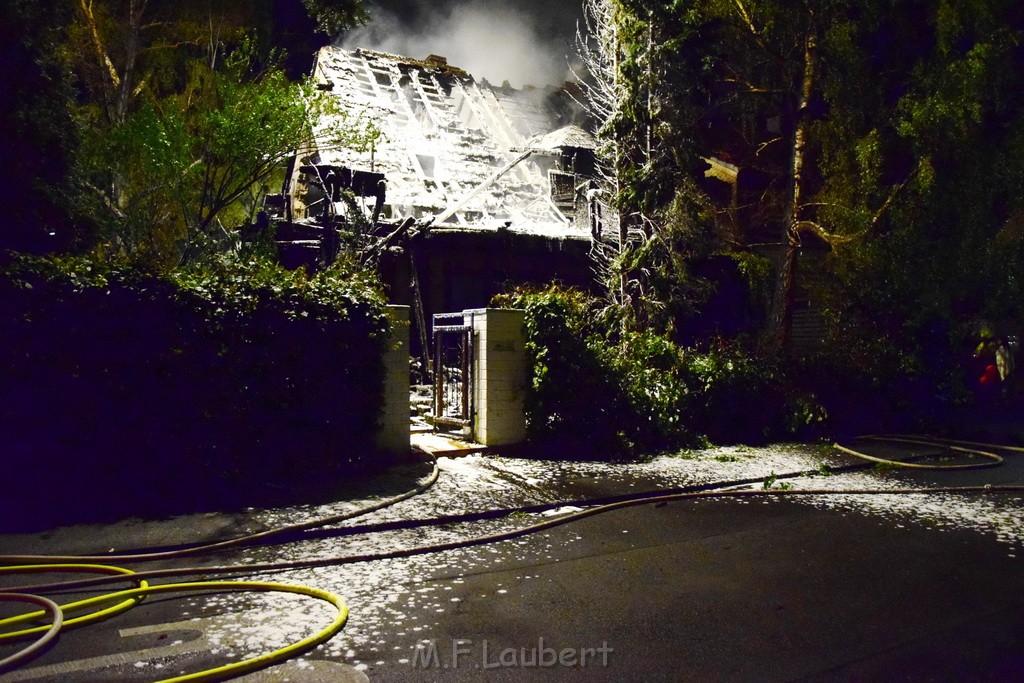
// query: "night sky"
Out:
[528,42]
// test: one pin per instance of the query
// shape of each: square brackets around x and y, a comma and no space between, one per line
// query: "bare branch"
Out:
[101,51]
[764,145]
[746,18]
[109,203]
[141,86]
[826,236]
[891,199]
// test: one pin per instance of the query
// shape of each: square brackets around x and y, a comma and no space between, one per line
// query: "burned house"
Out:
[472,187]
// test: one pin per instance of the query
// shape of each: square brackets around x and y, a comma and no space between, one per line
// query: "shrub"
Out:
[740,398]
[599,391]
[229,374]
[576,401]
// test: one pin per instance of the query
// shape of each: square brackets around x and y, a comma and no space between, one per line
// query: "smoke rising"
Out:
[487,38]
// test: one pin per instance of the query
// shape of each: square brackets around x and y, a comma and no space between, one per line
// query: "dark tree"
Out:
[74,69]
[891,132]
[38,135]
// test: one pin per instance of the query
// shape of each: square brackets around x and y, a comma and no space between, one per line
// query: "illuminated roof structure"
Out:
[469,154]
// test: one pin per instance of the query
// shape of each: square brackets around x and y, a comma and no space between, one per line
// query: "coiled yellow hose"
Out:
[132,596]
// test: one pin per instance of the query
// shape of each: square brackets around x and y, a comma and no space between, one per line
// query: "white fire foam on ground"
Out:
[401,600]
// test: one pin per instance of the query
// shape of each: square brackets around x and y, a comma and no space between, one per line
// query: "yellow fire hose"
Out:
[111,611]
[992,460]
[132,596]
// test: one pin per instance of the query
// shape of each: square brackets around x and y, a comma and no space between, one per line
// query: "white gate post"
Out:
[500,375]
[393,431]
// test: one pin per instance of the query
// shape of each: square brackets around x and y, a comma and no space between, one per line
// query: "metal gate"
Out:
[453,367]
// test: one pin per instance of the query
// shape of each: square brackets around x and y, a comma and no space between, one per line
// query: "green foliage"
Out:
[150,124]
[597,391]
[665,289]
[576,404]
[904,302]
[179,163]
[334,16]
[223,287]
[652,371]
[913,168]
[739,398]
[757,272]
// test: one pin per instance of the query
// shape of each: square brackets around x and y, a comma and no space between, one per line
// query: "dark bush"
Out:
[195,386]
[598,391]
[577,406]
[741,399]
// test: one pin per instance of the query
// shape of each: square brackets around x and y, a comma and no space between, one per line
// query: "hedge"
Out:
[135,390]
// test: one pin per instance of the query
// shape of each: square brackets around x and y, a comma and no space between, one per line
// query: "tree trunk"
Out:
[127,85]
[782,308]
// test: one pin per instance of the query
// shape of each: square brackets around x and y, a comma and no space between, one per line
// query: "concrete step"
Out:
[440,445]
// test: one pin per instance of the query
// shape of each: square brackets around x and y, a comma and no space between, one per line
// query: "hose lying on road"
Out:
[133,595]
[267,567]
[50,632]
[292,532]
[111,611]
[238,570]
[992,460]
[248,539]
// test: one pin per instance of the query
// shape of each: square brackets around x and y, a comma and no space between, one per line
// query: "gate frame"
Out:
[496,373]
[466,329]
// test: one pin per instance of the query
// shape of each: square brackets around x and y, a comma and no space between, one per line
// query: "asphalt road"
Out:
[708,590]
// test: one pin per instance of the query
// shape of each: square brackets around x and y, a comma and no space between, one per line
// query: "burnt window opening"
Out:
[563,186]
[579,161]
[428,84]
[444,85]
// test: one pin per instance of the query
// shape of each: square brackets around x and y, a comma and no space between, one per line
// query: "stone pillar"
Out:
[500,376]
[393,433]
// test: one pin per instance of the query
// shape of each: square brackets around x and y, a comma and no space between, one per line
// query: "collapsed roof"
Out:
[465,152]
